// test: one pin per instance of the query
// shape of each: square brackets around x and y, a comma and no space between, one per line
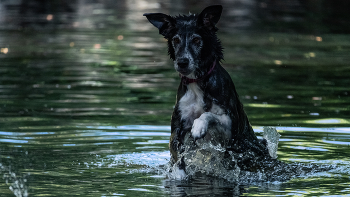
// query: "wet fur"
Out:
[212,100]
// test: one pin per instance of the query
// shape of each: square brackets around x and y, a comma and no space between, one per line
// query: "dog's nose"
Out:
[182,62]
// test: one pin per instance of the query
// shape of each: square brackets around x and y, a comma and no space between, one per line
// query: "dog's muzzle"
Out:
[183,66]
[185,80]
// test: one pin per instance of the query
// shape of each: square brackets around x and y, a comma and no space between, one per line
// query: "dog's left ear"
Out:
[210,16]
[163,22]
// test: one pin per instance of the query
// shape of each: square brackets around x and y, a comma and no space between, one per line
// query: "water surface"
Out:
[86,99]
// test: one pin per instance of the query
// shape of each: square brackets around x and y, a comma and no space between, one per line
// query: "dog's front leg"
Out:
[177,134]
[200,125]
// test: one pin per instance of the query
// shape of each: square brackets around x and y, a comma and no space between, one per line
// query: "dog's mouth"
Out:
[184,72]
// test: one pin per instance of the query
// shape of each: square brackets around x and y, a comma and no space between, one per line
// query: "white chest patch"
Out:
[191,105]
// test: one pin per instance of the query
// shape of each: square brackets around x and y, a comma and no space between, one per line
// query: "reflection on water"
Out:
[85,86]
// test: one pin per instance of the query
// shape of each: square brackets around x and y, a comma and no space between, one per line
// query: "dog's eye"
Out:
[196,40]
[176,40]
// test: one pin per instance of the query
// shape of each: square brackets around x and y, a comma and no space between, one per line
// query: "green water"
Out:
[85,107]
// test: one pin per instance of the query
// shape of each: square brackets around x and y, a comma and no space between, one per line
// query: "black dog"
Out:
[206,94]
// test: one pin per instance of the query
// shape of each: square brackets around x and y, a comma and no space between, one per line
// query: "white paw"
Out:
[199,128]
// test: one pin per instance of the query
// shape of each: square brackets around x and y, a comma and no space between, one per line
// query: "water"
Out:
[86,99]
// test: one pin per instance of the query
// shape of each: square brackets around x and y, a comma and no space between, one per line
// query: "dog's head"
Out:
[192,41]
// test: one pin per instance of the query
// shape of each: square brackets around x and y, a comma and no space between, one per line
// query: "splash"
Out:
[205,158]
[272,137]
[17,182]
[212,156]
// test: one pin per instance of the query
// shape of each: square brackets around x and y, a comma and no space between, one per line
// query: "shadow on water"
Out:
[74,75]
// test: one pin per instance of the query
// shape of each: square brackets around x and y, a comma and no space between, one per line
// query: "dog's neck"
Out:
[185,80]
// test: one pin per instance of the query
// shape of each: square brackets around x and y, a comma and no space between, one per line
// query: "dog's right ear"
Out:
[210,16]
[163,22]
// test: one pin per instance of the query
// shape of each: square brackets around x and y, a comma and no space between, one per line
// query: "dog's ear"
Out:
[163,22]
[210,16]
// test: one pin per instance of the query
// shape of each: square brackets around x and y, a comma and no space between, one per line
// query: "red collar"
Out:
[185,80]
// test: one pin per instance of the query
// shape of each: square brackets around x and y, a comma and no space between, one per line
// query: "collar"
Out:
[185,80]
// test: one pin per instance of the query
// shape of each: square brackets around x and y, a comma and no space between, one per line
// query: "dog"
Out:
[206,95]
